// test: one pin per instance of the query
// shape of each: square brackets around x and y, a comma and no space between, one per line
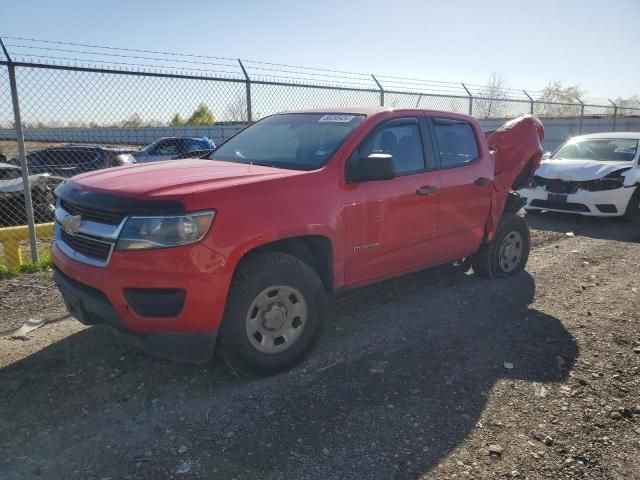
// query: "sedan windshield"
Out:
[602,149]
[297,141]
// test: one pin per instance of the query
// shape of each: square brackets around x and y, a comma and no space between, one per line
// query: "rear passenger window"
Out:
[403,142]
[456,142]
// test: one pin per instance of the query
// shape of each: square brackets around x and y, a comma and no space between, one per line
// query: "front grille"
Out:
[87,246]
[95,215]
[566,206]
[553,185]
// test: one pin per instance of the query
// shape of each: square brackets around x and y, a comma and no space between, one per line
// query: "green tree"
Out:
[201,116]
[176,121]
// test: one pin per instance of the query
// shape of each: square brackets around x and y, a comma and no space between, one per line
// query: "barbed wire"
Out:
[158,61]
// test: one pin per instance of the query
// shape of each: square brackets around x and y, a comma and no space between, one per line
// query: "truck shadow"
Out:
[593,227]
[401,377]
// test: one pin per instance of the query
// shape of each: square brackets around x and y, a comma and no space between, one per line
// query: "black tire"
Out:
[256,278]
[633,207]
[487,262]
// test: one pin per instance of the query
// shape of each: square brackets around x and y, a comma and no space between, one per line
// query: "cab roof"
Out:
[368,111]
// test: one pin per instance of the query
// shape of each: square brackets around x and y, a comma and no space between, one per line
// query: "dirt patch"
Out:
[421,376]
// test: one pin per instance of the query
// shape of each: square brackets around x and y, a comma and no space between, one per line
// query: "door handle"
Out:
[426,190]
[481,181]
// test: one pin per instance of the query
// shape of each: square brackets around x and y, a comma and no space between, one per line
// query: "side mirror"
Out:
[546,155]
[377,166]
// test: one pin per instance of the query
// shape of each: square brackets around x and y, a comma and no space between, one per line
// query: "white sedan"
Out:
[596,175]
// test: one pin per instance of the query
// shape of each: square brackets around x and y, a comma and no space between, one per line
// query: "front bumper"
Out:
[194,275]
[90,306]
[605,203]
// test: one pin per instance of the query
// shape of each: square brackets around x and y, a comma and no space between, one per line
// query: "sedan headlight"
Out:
[610,182]
[140,233]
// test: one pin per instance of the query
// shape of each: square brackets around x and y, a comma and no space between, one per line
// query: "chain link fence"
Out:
[69,108]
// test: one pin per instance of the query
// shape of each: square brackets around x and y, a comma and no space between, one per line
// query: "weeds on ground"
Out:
[44,263]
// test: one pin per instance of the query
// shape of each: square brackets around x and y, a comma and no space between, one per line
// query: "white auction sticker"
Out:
[336,118]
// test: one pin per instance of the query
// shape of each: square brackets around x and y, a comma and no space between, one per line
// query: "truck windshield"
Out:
[296,141]
[603,149]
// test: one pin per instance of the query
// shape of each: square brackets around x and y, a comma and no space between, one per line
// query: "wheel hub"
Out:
[511,251]
[274,317]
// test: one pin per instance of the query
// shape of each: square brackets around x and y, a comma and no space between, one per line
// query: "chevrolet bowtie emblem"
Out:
[72,223]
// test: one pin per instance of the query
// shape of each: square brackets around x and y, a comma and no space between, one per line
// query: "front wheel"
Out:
[633,207]
[274,314]
[507,253]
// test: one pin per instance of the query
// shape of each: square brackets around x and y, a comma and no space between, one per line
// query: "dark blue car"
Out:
[168,148]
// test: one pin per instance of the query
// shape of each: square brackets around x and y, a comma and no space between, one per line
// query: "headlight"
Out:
[603,184]
[141,233]
[125,158]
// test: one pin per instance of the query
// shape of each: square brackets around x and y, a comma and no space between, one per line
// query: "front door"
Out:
[390,223]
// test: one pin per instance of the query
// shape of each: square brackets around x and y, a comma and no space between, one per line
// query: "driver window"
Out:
[403,142]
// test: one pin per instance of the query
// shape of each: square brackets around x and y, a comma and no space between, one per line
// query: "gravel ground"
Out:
[418,377]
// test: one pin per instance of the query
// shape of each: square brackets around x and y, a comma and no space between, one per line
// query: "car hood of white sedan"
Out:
[578,170]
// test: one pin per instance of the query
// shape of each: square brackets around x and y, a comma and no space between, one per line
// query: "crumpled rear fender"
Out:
[517,152]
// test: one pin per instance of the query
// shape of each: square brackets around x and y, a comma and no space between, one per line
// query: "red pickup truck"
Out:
[240,250]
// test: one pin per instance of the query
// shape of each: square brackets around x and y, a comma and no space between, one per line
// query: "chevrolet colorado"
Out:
[240,249]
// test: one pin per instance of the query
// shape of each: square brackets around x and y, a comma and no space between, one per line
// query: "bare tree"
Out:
[494,98]
[134,121]
[559,101]
[627,106]
[236,111]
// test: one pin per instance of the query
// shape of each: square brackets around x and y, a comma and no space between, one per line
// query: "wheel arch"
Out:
[315,250]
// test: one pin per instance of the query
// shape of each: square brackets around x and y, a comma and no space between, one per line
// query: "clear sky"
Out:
[592,43]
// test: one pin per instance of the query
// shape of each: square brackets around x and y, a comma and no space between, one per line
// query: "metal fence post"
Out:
[381,90]
[581,115]
[615,113]
[530,101]
[22,155]
[470,99]
[248,87]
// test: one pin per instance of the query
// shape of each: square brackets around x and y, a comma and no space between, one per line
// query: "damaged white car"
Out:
[596,175]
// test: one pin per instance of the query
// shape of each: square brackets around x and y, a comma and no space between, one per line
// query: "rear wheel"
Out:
[274,314]
[507,253]
[633,207]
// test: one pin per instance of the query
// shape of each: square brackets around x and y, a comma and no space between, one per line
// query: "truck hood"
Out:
[578,170]
[176,178]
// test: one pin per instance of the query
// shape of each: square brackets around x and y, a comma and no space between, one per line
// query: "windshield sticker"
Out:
[337,118]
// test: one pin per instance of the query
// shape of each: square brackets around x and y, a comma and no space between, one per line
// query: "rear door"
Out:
[466,175]
[390,223]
